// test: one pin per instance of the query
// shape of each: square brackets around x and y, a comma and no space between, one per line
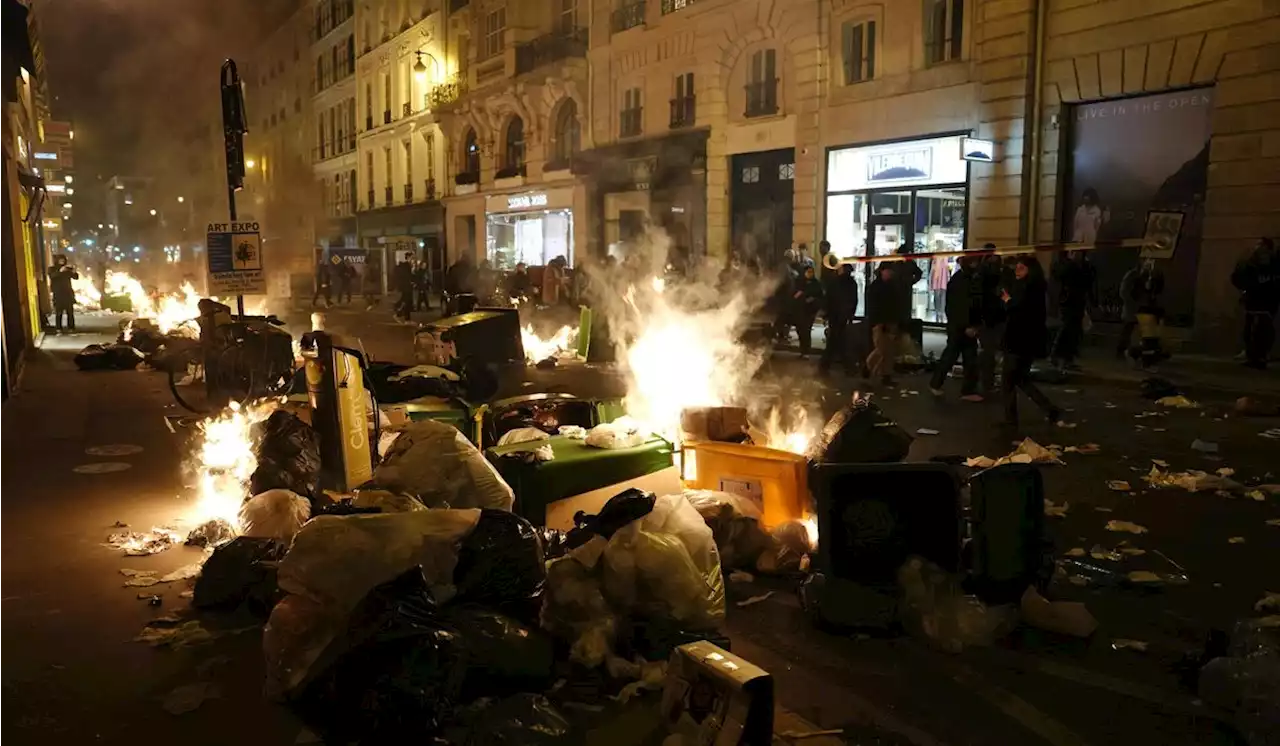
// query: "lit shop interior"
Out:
[534,237]
[882,197]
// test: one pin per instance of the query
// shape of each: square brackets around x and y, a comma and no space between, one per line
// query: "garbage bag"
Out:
[785,553]
[522,435]
[554,542]
[1246,681]
[621,509]
[623,432]
[501,566]
[288,456]
[93,357]
[574,608]
[665,566]
[398,672]
[735,523]
[1155,387]
[858,434]
[437,464]
[503,656]
[242,571]
[523,719]
[124,357]
[274,514]
[297,634]
[386,502]
[934,607]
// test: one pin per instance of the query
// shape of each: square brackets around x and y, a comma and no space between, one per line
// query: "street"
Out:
[74,676]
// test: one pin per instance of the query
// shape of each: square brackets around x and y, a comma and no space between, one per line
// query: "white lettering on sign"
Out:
[525,201]
[46,156]
[897,165]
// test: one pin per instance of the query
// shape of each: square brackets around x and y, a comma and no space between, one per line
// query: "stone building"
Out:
[332,66]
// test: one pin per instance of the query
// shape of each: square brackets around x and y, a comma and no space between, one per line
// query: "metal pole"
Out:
[234,126]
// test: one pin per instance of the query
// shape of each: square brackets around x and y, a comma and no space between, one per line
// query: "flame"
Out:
[793,436]
[811,527]
[225,461]
[537,349]
[87,294]
[167,311]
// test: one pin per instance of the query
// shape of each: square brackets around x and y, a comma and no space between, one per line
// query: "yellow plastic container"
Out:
[777,480]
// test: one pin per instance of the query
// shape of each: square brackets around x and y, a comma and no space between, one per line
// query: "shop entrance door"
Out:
[885,233]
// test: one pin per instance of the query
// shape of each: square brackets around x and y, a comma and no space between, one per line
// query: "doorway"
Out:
[887,232]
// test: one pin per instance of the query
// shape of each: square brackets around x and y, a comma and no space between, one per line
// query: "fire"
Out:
[168,311]
[226,460]
[87,294]
[793,436]
[537,348]
[811,527]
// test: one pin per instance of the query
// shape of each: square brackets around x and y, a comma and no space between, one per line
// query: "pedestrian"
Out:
[404,286]
[780,302]
[841,298]
[486,282]
[964,318]
[994,275]
[1025,337]
[1258,280]
[324,286]
[520,286]
[459,279]
[884,314]
[906,273]
[553,282]
[64,293]
[1075,277]
[421,286]
[806,300]
[1140,291]
[346,275]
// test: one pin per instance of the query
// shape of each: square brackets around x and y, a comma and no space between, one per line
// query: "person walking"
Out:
[459,279]
[1025,337]
[883,316]
[906,273]
[964,319]
[324,287]
[1075,277]
[1258,280]
[64,293]
[421,286]
[346,275]
[404,286]
[841,297]
[994,275]
[1140,291]
[806,301]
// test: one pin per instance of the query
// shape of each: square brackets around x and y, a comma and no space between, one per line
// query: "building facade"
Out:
[333,65]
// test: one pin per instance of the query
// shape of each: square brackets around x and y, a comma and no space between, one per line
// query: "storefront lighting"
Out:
[137,249]
[69,178]
[70,190]
[99,226]
[250,163]
[181,198]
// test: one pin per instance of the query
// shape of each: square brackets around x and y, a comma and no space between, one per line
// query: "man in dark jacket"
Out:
[1025,336]
[64,294]
[404,286]
[1258,280]
[324,286]
[520,285]
[459,279]
[841,305]
[906,273]
[806,301]
[1075,277]
[964,319]
[883,316]
[995,273]
[1140,291]
[346,276]
[422,286]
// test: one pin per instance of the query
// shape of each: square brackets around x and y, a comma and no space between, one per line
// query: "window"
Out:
[320,73]
[683,113]
[943,30]
[386,98]
[786,172]
[762,84]
[513,150]
[368,174]
[368,106]
[858,51]
[567,18]
[671,6]
[386,185]
[495,26]
[568,133]
[320,138]
[470,153]
[630,121]
[351,54]
[431,158]
[351,124]
[750,174]
[408,170]
[297,104]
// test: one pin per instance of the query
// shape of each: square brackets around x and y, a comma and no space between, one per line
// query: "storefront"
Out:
[529,227]
[383,232]
[909,195]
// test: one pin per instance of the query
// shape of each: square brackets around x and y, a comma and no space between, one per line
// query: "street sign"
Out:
[234,252]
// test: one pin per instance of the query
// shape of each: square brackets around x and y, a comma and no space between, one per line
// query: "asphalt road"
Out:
[72,674]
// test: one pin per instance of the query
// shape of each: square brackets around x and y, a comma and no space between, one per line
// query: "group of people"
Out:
[334,279]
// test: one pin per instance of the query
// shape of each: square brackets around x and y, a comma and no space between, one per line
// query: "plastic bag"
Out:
[522,435]
[274,514]
[519,720]
[297,633]
[437,464]
[93,357]
[503,656]
[500,565]
[574,609]
[735,523]
[935,608]
[288,456]
[621,509]
[386,502]
[666,566]
[623,432]
[242,571]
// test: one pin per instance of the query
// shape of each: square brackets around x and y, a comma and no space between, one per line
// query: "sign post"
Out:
[234,254]
[241,251]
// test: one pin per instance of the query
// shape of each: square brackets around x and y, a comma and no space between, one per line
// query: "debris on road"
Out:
[163,632]
[935,608]
[1177,401]
[738,576]
[1118,485]
[1126,526]
[1270,602]
[1063,617]
[1087,448]
[926,431]
[1236,540]
[145,578]
[211,533]
[1271,434]
[1075,552]
[1191,480]
[189,697]
[755,599]
[1204,446]
[1273,522]
[275,514]
[142,544]
[1123,644]
[1055,511]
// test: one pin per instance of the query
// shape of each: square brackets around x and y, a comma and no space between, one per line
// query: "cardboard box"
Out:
[719,424]
[712,697]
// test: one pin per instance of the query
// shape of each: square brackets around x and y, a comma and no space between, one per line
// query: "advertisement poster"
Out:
[1127,157]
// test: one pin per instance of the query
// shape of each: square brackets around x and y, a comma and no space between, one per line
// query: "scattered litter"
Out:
[1025,452]
[146,578]
[926,431]
[187,594]
[1126,526]
[1062,617]
[1071,391]
[211,533]
[798,735]
[1118,485]
[1099,553]
[1144,415]
[755,599]
[1204,446]
[1273,522]
[1108,405]
[1268,622]
[1159,429]
[623,432]
[980,462]
[1225,471]
[1272,434]
[189,697]
[573,432]
[1067,425]
[1147,577]
[119,524]
[1131,551]
[1076,552]
[1236,540]
[151,599]
[1086,448]
[1191,481]
[1055,511]
[1100,509]
[1121,644]
[136,544]
[1270,602]
[177,636]
[1177,402]
[1257,495]
[738,576]
[1273,489]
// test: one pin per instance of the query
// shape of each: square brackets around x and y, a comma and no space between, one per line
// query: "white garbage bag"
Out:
[274,514]
[623,432]
[387,502]
[436,463]
[666,566]
[522,435]
[574,608]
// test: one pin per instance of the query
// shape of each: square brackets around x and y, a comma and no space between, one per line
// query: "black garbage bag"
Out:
[623,508]
[400,671]
[860,434]
[501,566]
[93,357]
[554,542]
[519,720]
[242,571]
[288,456]
[1155,387]
[503,656]
[124,357]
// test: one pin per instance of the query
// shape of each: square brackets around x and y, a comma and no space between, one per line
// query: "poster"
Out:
[1125,158]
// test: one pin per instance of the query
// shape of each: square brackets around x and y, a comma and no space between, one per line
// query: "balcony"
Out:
[684,112]
[372,204]
[387,192]
[671,6]
[386,116]
[630,122]
[430,189]
[446,93]
[408,193]
[550,48]
[467,177]
[510,171]
[627,16]
[407,111]
[762,98]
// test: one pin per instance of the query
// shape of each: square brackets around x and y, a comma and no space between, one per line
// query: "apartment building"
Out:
[333,62]
[515,118]
[402,60]
[280,190]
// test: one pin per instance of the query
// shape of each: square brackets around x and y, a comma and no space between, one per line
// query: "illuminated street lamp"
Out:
[153,211]
[99,226]
[250,163]
[419,68]
[181,198]
[69,178]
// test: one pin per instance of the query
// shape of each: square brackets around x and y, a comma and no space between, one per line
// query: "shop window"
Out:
[762,84]
[858,51]
[533,238]
[943,30]
[629,117]
[568,133]
[567,17]
[513,149]
[495,27]
[786,172]
[470,159]
[751,174]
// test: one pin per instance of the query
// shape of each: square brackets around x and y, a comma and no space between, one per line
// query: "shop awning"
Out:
[672,156]
[410,220]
